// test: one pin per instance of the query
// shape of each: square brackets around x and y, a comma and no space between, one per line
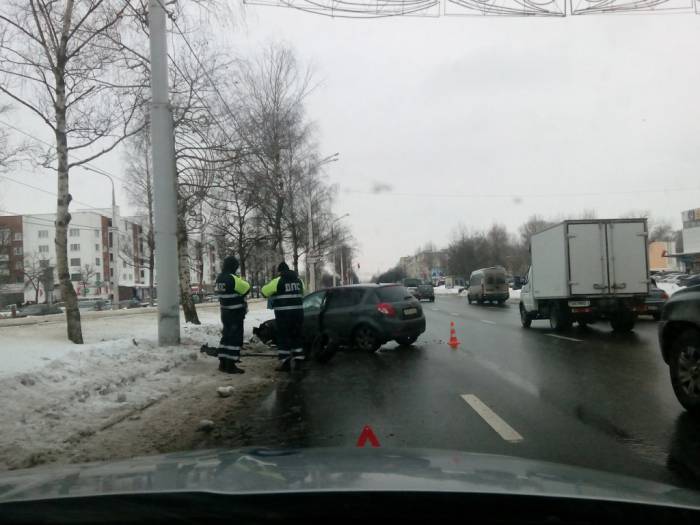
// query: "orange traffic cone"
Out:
[453,342]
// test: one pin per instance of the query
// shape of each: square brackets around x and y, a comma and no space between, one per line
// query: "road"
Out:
[588,397]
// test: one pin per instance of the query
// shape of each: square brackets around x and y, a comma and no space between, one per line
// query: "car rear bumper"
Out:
[391,329]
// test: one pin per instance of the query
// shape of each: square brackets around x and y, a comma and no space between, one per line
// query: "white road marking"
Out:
[565,338]
[454,313]
[487,321]
[494,420]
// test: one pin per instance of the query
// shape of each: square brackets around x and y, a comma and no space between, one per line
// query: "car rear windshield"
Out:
[412,282]
[391,294]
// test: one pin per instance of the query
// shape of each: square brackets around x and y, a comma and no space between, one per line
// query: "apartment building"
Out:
[27,248]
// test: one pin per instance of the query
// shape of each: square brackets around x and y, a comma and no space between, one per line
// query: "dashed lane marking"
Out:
[565,338]
[454,313]
[494,420]
[487,321]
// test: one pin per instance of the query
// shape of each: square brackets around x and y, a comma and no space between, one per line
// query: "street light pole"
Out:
[335,248]
[114,278]
[164,181]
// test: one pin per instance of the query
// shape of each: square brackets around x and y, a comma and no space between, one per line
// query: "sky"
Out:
[473,120]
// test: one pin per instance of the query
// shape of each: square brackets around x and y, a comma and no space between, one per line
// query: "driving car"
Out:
[654,302]
[488,284]
[425,291]
[412,285]
[679,338]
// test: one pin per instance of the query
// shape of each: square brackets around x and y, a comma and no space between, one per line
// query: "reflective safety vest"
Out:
[231,291]
[286,292]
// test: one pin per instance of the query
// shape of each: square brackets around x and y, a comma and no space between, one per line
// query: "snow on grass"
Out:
[52,391]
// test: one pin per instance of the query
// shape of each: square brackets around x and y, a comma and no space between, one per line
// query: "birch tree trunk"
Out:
[73,327]
[188,307]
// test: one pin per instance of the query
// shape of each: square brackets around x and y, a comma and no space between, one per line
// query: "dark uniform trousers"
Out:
[232,334]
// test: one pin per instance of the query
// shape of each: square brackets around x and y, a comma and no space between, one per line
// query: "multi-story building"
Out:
[27,249]
[427,265]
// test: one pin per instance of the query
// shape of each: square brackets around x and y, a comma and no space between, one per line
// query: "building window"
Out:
[44,263]
[18,236]
[75,277]
[111,272]
[111,257]
[43,234]
[75,247]
[18,250]
[75,262]
[131,277]
[97,261]
[143,274]
[97,277]
[19,279]
[97,247]
[123,264]
[97,234]
[43,248]
[19,265]
[74,232]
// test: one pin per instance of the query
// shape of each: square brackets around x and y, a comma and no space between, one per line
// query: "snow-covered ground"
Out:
[52,390]
[669,288]
[442,290]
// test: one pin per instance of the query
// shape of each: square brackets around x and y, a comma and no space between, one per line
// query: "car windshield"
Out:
[467,226]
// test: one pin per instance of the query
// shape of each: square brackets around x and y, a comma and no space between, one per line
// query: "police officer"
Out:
[231,290]
[286,294]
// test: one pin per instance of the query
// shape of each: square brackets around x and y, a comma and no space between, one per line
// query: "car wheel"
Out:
[525,319]
[623,322]
[324,348]
[558,319]
[432,299]
[582,323]
[656,316]
[500,302]
[406,341]
[684,366]
[366,339]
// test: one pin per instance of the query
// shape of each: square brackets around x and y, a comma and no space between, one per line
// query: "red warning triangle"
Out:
[367,434]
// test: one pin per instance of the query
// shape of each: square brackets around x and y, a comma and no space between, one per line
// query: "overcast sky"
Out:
[478,120]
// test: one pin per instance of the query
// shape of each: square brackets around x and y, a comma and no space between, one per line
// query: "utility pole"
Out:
[311,254]
[342,272]
[115,250]
[164,182]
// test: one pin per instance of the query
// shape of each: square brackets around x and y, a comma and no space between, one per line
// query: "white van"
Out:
[488,284]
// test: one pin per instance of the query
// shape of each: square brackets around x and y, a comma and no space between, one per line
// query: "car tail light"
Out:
[664,295]
[386,309]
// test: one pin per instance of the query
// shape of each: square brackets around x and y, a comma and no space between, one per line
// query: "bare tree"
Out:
[139,188]
[33,273]
[87,273]
[64,61]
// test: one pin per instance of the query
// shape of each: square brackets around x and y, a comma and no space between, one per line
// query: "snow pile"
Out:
[56,392]
[442,290]
[669,288]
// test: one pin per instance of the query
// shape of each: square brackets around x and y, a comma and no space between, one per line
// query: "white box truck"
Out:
[587,270]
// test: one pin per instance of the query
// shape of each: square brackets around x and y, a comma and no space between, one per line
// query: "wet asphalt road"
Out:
[596,399]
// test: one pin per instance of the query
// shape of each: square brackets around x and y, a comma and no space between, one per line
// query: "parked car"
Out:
[38,309]
[488,284]
[94,305]
[679,338]
[654,302]
[130,303]
[688,280]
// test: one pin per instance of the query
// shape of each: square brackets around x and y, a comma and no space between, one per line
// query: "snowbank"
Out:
[441,290]
[669,288]
[52,391]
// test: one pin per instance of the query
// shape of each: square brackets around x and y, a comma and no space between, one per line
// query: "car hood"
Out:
[331,469]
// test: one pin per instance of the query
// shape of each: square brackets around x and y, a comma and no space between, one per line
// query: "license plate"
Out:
[410,311]
[579,304]
[652,308]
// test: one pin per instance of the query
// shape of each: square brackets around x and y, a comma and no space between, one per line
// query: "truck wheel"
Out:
[684,366]
[525,319]
[558,318]
[622,323]
[582,323]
